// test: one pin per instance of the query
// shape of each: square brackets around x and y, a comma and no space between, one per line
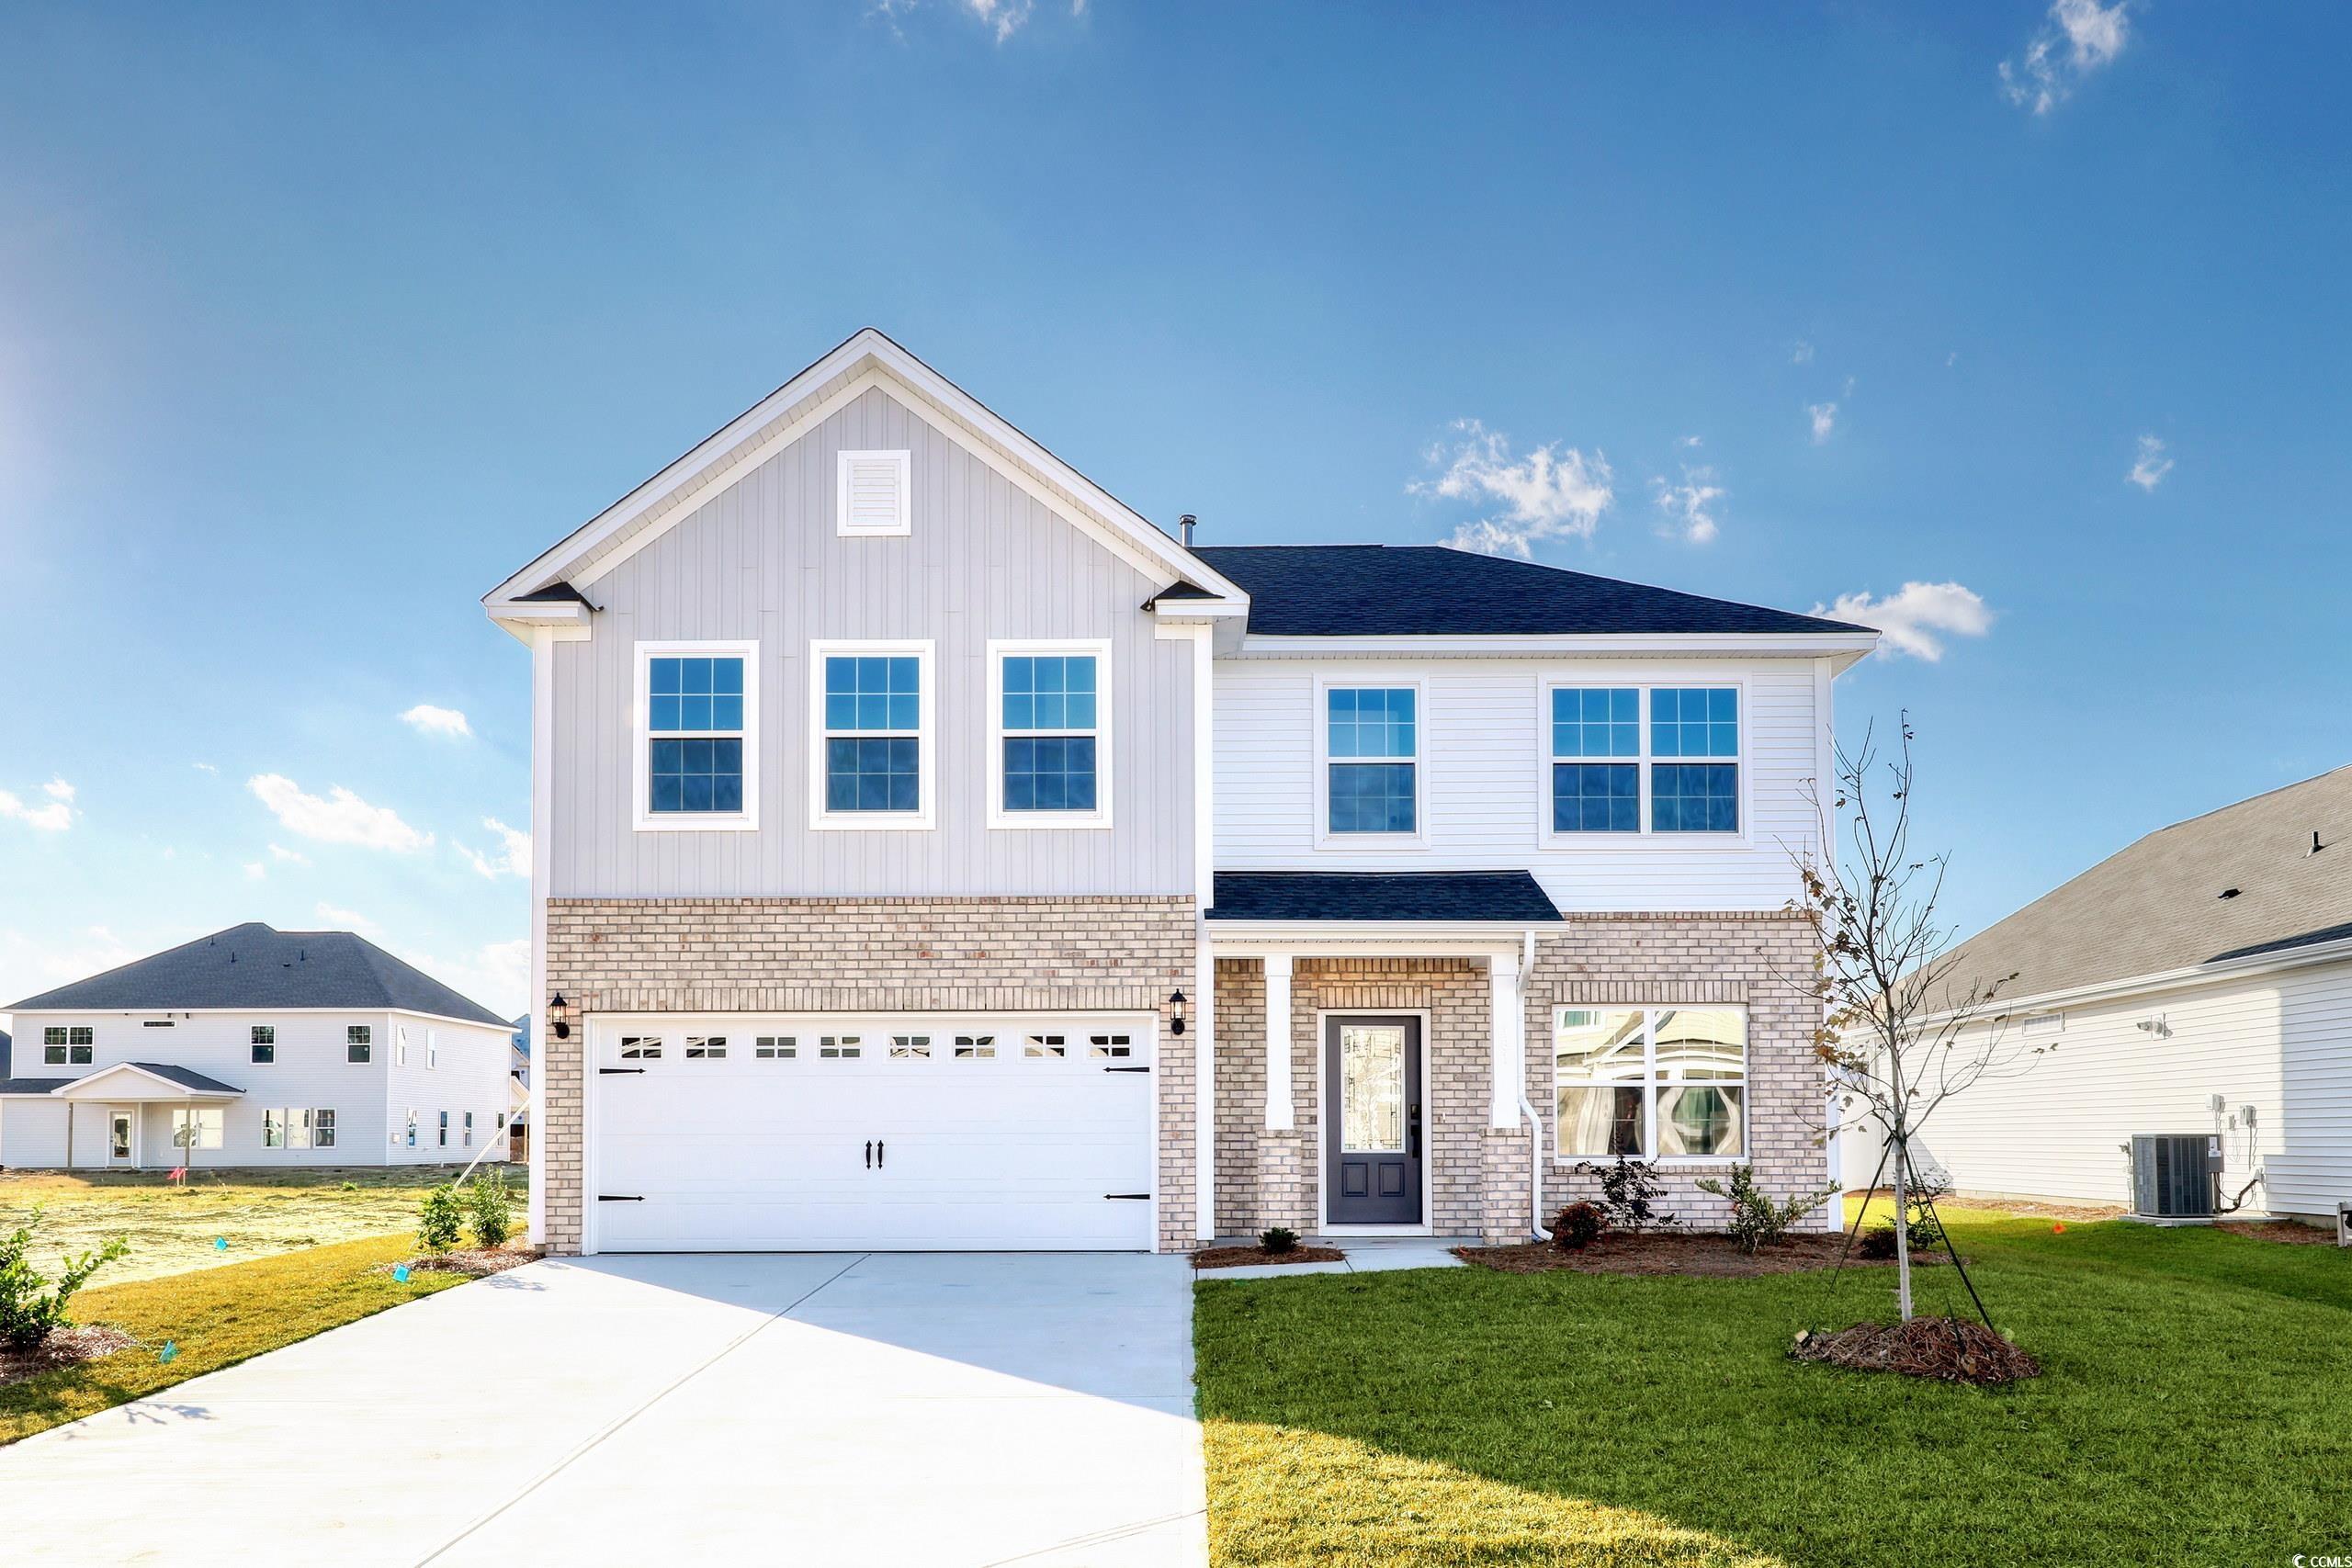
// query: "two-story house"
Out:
[936,854]
[255,1046]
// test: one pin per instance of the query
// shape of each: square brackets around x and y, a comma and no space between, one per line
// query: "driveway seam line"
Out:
[591,1444]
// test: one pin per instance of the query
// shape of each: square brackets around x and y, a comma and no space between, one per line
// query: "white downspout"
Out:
[1527,1106]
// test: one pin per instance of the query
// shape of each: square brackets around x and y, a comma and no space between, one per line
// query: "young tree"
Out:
[1902,1029]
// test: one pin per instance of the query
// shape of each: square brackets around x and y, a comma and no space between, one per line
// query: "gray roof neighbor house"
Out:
[2265,875]
[254,965]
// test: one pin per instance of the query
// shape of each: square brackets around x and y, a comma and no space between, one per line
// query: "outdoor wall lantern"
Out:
[559,1014]
[1176,1011]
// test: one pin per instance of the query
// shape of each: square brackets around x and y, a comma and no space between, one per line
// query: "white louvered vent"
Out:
[873,499]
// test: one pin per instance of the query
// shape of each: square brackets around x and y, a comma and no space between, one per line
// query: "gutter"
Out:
[1527,1108]
[2214,972]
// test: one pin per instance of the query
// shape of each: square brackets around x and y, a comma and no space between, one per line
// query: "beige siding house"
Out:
[928,840]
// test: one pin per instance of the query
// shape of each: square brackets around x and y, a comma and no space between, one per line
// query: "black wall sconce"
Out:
[1176,1009]
[559,1015]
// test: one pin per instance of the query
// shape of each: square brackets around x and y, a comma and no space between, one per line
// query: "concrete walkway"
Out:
[878,1410]
[1385,1255]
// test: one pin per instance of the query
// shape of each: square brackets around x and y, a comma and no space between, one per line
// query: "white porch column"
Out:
[1279,1114]
[1508,1028]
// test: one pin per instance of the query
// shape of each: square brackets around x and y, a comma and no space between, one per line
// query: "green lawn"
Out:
[2194,1407]
[173,1227]
[218,1318]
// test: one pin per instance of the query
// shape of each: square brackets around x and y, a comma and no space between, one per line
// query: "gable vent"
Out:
[874,494]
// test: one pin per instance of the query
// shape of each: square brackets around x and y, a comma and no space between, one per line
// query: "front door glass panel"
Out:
[1372,1088]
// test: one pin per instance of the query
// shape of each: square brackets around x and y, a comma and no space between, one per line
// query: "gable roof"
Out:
[787,413]
[1437,591]
[89,1084]
[257,967]
[1510,897]
[2156,907]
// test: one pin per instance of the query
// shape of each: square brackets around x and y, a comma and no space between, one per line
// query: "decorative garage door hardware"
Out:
[1126,1070]
[1132,1197]
[609,1072]
[873,1153]
[620,1198]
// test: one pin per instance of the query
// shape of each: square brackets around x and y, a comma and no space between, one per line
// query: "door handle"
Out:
[869,1154]
[1413,1132]
[880,1149]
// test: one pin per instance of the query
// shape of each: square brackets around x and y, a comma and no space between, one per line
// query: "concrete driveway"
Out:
[884,1409]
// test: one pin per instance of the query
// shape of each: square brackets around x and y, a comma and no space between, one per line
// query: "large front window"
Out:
[1650,1083]
[1630,759]
[698,744]
[72,1045]
[873,711]
[1372,751]
[1050,729]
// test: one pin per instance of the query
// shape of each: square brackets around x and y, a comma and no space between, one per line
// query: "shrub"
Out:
[1756,1217]
[1578,1225]
[1920,1192]
[440,1219]
[491,1205]
[1629,1194]
[1279,1238]
[28,1313]
[1878,1242]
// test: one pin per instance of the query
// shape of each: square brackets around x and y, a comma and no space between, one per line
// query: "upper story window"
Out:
[264,1043]
[72,1045]
[1372,760]
[1050,731]
[874,496]
[1650,1083]
[359,1042]
[697,755]
[874,707]
[1635,760]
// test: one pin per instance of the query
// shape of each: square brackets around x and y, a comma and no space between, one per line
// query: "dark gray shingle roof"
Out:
[1434,591]
[2156,906]
[31,1086]
[1511,896]
[187,1077]
[254,965]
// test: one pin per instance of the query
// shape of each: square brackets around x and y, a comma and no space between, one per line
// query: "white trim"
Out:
[373,1012]
[1641,762]
[1307,939]
[2212,972]
[543,839]
[1097,648]
[928,757]
[1281,1114]
[1507,1043]
[902,477]
[1325,1120]
[642,737]
[1843,647]
[72,1089]
[1650,1083]
[1325,839]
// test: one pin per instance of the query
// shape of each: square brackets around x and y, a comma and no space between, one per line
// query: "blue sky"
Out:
[315,322]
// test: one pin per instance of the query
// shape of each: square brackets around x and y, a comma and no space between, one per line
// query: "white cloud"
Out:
[256,870]
[206,768]
[1801,353]
[53,818]
[31,963]
[2081,37]
[1690,506]
[1553,491]
[497,974]
[1824,420]
[342,819]
[1915,618]
[348,921]
[511,858]
[291,857]
[1004,15]
[1690,441]
[2149,468]
[426,719]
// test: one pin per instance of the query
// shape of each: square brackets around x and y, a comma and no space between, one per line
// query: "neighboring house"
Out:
[254,1048]
[4,1049]
[934,853]
[2197,981]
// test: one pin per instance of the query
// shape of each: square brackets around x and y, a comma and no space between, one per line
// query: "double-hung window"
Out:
[1372,761]
[1050,730]
[1650,1083]
[263,1043]
[873,760]
[697,741]
[1631,760]
[72,1045]
[359,1042]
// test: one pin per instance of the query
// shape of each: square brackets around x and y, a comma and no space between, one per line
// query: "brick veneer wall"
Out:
[865,955]
[1480,1176]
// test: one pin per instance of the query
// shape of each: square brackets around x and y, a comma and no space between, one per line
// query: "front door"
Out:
[118,1131]
[1371,1138]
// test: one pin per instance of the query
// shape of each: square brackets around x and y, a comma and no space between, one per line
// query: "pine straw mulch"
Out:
[473,1262]
[1704,1253]
[2294,1233]
[1240,1256]
[1941,1348]
[84,1342]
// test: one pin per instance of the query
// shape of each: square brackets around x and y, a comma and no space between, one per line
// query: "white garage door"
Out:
[791,1134]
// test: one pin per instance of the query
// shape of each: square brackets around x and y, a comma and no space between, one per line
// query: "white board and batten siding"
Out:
[765,560]
[2281,1043]
[1485,784]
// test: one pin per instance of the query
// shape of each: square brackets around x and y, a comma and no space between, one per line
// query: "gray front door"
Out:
[1372,1126]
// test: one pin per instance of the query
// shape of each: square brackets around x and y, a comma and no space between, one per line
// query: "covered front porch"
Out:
[128,1116]
[1370,1075]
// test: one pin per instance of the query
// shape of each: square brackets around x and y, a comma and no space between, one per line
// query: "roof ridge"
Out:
[2249,800]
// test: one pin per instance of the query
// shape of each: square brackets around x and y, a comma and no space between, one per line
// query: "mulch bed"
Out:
[85,1342]
[2294,1233]
[1703,1253]
[1238,1256]
[473,1262]
[1941,1348]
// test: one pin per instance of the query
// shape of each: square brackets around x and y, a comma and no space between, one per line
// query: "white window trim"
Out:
[924,816]
[1650,1085]
[642,736]
[1418,837]
[904,461]
[432,1049]
[1099,649]
[1550,839]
